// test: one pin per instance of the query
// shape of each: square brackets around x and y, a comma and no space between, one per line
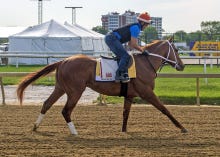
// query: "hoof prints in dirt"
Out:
[150,133]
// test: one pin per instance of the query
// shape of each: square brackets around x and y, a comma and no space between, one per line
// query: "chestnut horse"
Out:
[76,73]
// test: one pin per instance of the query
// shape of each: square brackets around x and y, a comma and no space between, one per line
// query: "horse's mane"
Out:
[152,43]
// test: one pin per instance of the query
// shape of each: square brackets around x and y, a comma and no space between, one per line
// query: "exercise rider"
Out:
[128,33]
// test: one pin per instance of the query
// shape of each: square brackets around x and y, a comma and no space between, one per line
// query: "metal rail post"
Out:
[3,92]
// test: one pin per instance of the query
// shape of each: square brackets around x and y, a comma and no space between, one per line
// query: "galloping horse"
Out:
[76,73]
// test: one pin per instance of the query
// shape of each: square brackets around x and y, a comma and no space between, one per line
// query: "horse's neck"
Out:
[147,62]
[156,62]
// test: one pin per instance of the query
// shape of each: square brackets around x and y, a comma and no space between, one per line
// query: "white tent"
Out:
[54,38]
[91,40]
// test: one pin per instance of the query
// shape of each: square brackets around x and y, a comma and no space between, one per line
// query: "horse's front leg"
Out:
[154,100]
[126,111]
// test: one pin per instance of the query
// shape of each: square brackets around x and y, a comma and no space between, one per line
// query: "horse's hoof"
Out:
[184,131]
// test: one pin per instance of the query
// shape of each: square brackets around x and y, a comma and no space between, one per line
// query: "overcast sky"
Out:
[177,15]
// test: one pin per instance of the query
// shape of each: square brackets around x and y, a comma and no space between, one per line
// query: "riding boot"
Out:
[122,76]
[118,76]
[125,78]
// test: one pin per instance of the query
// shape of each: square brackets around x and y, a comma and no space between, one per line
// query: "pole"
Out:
[73,14]
[197,91]
[40,10]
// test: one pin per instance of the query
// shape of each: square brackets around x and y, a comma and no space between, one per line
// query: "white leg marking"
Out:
[72,128]
[39,119]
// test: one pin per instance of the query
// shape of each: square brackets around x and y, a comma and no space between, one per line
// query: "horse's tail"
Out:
[33,77]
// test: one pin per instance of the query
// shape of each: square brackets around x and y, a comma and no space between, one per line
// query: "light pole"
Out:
[40,10]
[73,13]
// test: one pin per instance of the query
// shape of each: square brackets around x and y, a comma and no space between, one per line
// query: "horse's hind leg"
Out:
[72,100]
[56,94]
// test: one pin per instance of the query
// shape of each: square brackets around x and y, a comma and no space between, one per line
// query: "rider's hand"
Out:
[145,52]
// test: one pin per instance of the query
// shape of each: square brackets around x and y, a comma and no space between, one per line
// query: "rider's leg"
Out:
[114,44]
[123,68]
[117,48]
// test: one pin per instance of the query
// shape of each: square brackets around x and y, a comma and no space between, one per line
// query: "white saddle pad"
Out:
[106,70]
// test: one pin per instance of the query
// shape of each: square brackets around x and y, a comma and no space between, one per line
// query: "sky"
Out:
[185,15]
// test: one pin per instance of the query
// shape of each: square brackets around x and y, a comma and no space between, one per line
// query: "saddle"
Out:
[106,68]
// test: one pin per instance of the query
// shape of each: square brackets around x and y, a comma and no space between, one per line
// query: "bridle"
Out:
[166,59]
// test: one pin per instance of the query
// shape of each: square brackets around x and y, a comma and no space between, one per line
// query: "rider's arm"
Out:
[133,43]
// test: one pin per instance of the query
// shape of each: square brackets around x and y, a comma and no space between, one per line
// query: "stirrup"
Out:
[122,77]
[118,78]
[125,78]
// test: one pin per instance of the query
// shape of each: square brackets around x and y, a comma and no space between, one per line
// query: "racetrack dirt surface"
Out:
[150,133]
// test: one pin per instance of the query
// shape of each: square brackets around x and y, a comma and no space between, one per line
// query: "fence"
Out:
[97,54]
[47,55]
[161,75]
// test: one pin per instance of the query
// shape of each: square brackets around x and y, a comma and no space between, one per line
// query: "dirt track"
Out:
[149,132]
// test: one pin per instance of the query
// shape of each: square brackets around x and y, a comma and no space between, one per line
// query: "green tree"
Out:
[195,36]
[100,29]
[149,34]
[180,36]
[3,40]
[211,29]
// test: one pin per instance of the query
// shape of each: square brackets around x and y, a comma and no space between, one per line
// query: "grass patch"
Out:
[169,90]
[47,81]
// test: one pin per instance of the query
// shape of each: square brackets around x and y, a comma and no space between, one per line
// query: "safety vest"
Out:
[125,33]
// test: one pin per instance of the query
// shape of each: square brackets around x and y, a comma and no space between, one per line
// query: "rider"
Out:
[128,33]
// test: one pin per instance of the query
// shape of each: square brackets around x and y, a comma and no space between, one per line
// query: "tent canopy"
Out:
[53,37]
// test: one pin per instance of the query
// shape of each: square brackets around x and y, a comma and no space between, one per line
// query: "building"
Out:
[157,24]
[114,20]
[111,21]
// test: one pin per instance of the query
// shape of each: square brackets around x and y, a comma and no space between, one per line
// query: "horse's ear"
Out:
[171,39]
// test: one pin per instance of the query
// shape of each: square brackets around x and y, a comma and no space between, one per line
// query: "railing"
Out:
[160,75]
[47,55]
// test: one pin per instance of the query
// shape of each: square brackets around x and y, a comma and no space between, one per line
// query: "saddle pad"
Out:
[106,69]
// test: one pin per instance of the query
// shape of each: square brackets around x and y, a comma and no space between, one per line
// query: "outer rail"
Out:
[160,75]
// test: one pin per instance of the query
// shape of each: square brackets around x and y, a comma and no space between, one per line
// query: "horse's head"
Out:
[173,55]
[167,51]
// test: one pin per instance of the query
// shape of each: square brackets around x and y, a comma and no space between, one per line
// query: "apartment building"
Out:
[114,20]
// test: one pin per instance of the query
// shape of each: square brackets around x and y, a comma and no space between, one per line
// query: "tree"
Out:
[210,29]
[100,29]
[180,36]
[149,34]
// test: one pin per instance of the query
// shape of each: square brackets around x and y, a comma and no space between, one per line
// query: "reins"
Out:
[152,66]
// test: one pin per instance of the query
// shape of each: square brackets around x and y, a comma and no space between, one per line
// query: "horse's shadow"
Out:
[132,140]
